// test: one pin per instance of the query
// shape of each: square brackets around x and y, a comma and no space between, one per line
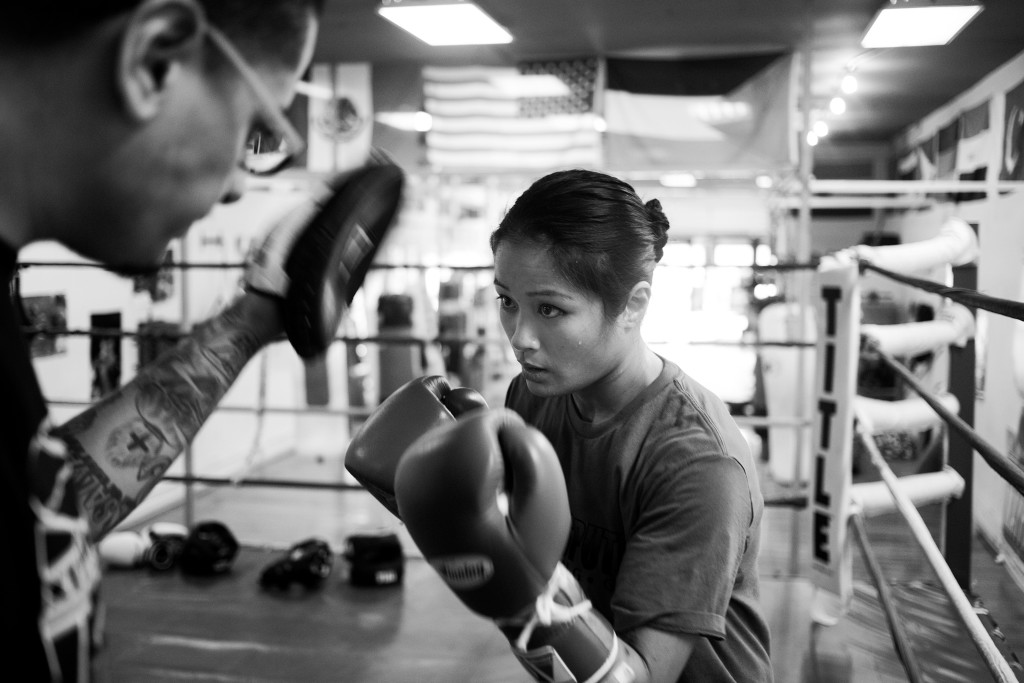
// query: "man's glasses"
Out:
[274,143]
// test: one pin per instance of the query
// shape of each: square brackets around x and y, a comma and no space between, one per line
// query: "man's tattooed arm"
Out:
[120,447]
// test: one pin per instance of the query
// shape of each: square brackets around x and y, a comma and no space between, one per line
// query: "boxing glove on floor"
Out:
[484,499]
[158,546]
[411,410]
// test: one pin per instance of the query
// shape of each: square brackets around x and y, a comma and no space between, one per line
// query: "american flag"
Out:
[507,118]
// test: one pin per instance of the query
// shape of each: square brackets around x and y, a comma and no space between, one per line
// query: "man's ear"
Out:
[160,36]
[636,305]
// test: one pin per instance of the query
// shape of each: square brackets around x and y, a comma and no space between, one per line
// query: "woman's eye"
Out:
[548,311]
[505,302]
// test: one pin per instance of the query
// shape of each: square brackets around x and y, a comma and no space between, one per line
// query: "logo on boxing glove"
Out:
[464,572]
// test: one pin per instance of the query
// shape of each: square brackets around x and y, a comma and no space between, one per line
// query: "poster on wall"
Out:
[47,314]
[1013,143]
[948,138]
[975,139]
[1013,508]
[980,349]
[105,353]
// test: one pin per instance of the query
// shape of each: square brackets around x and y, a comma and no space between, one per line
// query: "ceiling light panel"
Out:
[915,23]
[445,22]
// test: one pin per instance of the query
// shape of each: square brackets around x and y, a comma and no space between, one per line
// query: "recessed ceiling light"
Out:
[444,22]
[913,23]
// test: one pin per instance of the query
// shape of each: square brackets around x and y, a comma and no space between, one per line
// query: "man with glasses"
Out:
[123,121]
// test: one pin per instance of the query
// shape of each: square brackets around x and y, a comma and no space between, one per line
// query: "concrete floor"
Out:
[165,626]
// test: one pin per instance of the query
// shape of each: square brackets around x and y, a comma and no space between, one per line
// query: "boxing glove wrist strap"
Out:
[572,640]
[547,612]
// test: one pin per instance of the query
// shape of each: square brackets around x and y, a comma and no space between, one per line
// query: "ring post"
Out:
[959,527]
[837,300]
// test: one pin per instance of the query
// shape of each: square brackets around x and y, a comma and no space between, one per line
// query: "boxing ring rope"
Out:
[838,505]
[1007,469]
[262,409]
[1010,309]
[899,634]
[394,340]
[979,636]
[224,265]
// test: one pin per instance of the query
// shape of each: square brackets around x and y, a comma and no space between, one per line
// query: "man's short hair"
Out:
[251,24]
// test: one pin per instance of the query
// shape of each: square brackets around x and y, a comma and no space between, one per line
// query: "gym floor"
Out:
[163,626]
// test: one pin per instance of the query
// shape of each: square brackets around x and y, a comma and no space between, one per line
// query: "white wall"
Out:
[235,437]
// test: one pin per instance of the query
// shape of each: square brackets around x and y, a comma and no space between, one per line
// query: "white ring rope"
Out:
[956,244]
[908,414]
[873,498]
[982,640]
[954,326]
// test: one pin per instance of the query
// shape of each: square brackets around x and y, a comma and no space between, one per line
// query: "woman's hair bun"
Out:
[658,219]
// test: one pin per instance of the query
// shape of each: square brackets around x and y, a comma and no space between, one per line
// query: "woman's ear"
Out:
[636,305]
[159,38]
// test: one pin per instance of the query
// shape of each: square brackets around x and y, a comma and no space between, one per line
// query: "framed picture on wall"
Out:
[105,353]
[47,316]
[160,283]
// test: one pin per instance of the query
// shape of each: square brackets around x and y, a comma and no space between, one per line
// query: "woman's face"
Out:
[559,333]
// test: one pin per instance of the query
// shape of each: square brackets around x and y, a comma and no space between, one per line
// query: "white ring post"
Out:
[837,296]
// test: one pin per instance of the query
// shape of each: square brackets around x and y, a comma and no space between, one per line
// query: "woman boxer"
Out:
[665,504]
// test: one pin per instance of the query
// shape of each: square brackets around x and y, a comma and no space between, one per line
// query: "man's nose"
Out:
[234,188]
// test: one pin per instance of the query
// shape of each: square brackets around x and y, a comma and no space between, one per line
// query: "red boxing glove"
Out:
[484,499]
[409,412]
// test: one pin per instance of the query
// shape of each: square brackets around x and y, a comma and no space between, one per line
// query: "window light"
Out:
[444,22]
[912,23]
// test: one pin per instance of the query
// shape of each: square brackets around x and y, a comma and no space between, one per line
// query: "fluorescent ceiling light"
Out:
[444,22]
[913,23]
[419,121]
[678,180]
